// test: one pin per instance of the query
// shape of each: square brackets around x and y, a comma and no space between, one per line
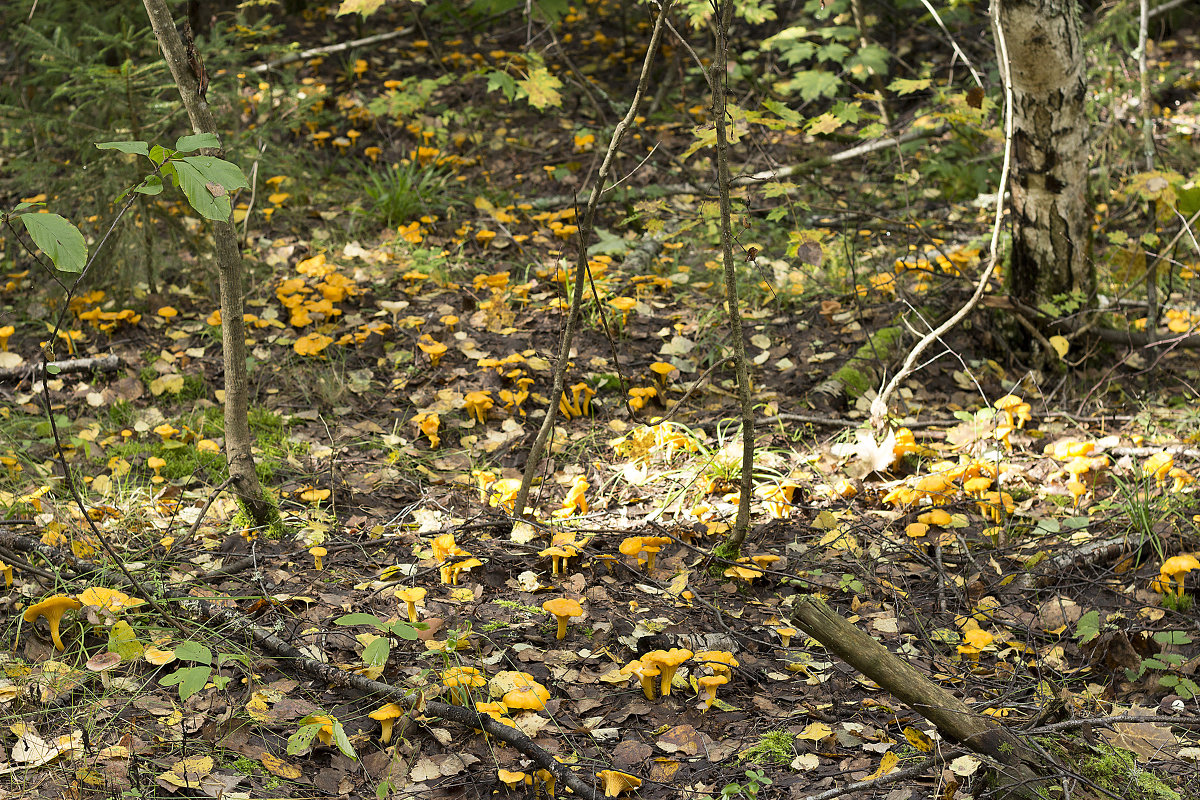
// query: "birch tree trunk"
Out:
[1050,252]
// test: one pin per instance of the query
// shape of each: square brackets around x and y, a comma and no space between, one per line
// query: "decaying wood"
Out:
[1022,771]
[108,363]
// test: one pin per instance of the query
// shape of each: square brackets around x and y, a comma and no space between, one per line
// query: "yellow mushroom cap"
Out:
[510,778]
[386,716]
[562,608]
[708,686]
[52,608]
[617,782]
[721,662]
[531,697]
[668,662]
[1179,565]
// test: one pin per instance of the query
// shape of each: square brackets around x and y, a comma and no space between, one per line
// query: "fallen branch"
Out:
[108,363]
[804,167]
[291,58]
[879,406]
[204,611]
[1022,768]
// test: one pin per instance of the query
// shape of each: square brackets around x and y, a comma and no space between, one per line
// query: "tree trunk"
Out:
[238,440]
[1050,252]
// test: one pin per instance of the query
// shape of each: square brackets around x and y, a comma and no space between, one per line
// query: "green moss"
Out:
[276,529]
[856,376]
[1117,771]
[722,553]
[775,747]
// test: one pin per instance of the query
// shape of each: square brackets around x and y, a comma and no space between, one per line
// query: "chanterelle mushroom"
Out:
[668,661]
[52,608]
[617,782]
[1175,569]
[562,608]
[386,716]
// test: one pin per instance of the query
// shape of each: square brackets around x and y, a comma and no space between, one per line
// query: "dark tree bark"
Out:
[1046,70]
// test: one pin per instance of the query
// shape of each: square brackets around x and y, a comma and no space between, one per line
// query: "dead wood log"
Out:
[109,363]
[1022,772]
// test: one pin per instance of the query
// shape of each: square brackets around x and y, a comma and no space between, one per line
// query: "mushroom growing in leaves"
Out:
[708,688]
[532,696]
[721,662]
[511,778]
[668,662]
[645,673]
[52,608]
[386,716]
[411,597]
[562,608]
[558,556]
[432,348]
[1174,569]
[477,405]
[617,782]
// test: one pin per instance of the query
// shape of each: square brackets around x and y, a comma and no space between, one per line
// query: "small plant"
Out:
[327,728]
[755,781]
[194,678]
[1168,666]
[401,193]
[376,653]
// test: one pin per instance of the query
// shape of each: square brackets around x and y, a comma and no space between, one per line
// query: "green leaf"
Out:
[788,115]
[404,630]
[342,741]
[376,653]
[193,651]
[833,52]
[1088,627]
[160,154]
[133,148]
[608,243]
[1172,637]
[541,89]
[189,680]
[872,130]
[903,86]
[207,181]
[1187,200]
[302,739]
[123,641]
[361,619]
[197,141]
[61,241]
[872,56]
[151,186]
[504,82]
[814,83]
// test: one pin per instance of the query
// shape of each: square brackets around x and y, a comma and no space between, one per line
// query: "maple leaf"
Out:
[364,7]
[541,88]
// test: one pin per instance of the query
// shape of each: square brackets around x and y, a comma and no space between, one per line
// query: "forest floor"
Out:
[1036,596]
